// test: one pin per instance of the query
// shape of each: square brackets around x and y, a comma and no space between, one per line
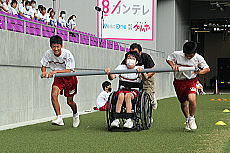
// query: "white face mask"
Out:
[131,62]
[63,15]
[28,7]
[74,19]
[33,5]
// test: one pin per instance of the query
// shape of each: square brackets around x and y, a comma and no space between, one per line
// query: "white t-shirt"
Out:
[6,6]
[52,22]
[129,77]
[102,98]
[64,61]
[62,22]
[20,8]
[29,13]
[13,11]
[43,18]
[199,85]
[72,24]
[179,58]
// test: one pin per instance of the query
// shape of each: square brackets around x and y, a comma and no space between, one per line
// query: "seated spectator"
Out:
[6,6]
[20,7]
[52,21]
[13,8]
[61,20]
[103,96]
[29,13]
[33,4]
[71,22]
[49,10]
[1,5]
[43,16]
[39,10]
[199,88]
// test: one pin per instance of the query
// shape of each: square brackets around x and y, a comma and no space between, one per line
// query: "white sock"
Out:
[75,115]
[59,116]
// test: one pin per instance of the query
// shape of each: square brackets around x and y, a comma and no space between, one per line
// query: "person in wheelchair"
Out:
[126,95]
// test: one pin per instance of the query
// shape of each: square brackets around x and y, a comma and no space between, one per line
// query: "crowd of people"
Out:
[29,9]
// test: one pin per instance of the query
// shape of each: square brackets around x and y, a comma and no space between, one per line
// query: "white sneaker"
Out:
[115,123]
[192,123]
[58,121]
[128,123]
[187,126]
[76,121]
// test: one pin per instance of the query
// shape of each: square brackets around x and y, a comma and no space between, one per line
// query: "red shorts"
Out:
[134,92]
[68,84]
[184,87]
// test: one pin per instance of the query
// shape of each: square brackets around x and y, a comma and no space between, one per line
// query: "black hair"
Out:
[62,12]
[13,1]
[105,84]
[71,17]
[40,6]
[190,47]
[43,8]
[55,40]
[135,54]
[135,45]
[49,10]
[27,3]
[33,1]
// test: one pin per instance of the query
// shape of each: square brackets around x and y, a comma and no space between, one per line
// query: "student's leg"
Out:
[72,104]
[185,108]
[120,101]
[128,100]
[192,104]
[54,98]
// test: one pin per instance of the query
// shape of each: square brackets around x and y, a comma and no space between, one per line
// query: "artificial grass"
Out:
[166,135]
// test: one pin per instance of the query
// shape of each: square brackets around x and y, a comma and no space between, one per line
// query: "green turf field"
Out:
[166,135]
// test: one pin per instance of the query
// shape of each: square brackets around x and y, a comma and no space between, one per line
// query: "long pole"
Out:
[122,72]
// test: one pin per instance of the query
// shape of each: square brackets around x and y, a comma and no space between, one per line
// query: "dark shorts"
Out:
[184,87]
[68,84]
[134,92]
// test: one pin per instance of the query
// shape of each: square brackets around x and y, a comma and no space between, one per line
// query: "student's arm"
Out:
[173,65]
[110,76]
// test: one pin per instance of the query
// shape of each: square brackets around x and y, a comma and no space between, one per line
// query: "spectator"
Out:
[61,20]
[6,6]
[199,88]
[20,7]
[44,16]
[71,22]
[1,5]
[29,13]
[13,8]
[39,10]
[52,21]
[33,4]
[103,96]
[49,10]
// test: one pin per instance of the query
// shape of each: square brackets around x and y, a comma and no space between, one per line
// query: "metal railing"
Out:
[122,46]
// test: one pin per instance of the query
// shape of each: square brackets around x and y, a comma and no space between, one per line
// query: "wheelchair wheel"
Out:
[146,110]
[110,109]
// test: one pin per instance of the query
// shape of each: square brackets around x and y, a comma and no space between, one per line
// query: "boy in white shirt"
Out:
[185,82]
[125,95]
[103,96]
[61,60]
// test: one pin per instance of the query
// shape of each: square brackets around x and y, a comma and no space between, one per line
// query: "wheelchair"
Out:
[141,108]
